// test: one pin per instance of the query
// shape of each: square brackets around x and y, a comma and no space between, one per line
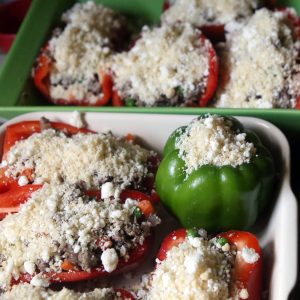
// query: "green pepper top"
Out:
[215,174]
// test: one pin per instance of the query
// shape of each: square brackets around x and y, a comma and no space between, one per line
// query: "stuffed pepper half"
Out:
[192,266]
[70,68]
[168,66]
[38,152]
[210,16]
[215,174]
[260,62]
[66,233]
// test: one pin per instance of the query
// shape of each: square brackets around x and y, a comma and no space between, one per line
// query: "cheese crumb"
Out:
[40,281]
[260,63]
[212,140]
[110,260]
[249,255]
[243,294]
[23,180]
[77,119]
[168,65]
[29,267]
[107,190]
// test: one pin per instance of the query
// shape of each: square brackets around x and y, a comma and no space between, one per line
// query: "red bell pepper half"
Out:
[245,275]
[23,130]
[212,80]
[41,78]
[71,273]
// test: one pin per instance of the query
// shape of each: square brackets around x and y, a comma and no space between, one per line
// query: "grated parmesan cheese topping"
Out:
[27,291]
[260,63]
[62,222]
[212,140]
[90,158]
[196,269]
[167,65]
[81,49]
[206,12]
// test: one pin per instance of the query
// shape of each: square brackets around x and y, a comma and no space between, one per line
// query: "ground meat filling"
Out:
[67,224]
[168,66]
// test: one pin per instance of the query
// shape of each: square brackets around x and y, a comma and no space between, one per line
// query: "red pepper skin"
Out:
[212,80]
[126,295]
[41,76]
[23,130]
[10,201]
[248,276]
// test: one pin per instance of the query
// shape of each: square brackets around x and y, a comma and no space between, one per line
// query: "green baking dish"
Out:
[16,85]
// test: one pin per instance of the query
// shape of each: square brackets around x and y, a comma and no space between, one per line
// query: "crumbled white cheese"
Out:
[39,280]
[23,180]
[107,190]
[206,12]
[243,294]
[212,140]
[249,255]
[260,64]
[90,158]
[3,164]
[79,52]
[109,259]
[29,267]
[27,291]
[163,60]
[226,247]
[190,272]
[77,119]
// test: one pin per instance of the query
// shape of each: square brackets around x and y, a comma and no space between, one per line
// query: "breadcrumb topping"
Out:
[212,140]
[196,269]
[260,63]
[169,64]
[206,12]
[92,158]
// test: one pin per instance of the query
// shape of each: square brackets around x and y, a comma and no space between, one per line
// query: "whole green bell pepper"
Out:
[216,197]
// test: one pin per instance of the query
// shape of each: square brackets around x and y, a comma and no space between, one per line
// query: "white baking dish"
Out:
[277,231]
